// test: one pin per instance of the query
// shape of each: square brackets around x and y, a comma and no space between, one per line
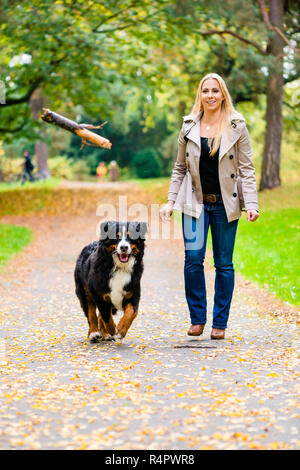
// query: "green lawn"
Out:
[268,252]
[12,239]
[149,182]
[48,183]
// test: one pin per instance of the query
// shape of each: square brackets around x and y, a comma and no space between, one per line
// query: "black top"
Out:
[209,169]
[28,163]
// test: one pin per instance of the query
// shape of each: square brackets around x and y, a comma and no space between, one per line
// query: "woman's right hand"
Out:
[166,211]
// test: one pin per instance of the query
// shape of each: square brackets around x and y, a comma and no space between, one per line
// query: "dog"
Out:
[107,277]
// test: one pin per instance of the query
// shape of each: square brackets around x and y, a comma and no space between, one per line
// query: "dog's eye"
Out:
[110,248]
[108,243]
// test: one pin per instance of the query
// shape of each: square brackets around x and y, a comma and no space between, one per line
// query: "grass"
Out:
[149,182]
[268,252]
[47,184]
[12,239]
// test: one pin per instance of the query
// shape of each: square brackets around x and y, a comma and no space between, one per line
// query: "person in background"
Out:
[113,171]
[101,172]
[28,168]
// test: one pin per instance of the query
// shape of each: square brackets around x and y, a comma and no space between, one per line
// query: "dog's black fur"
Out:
[107,277]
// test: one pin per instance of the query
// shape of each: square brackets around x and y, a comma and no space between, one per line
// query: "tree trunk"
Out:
[37,103]
[270,172]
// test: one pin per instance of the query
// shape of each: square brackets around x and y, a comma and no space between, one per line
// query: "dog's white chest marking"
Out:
[120,277]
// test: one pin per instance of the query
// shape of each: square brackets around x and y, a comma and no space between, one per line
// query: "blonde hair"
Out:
[226,109]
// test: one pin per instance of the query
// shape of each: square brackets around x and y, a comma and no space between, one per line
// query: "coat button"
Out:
[187,154]
[234,195]
[232,175]
[231,157]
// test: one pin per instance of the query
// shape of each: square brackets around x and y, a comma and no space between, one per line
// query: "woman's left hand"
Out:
[252,215]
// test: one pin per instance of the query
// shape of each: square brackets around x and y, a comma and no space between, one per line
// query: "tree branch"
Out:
[234,34]
[26,97]
[114,15]
[266,20]
[17,129]
[132,23]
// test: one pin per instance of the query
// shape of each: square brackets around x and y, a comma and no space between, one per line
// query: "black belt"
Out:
[212,198]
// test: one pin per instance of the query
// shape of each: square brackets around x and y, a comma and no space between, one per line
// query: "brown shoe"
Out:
[196,330]
[217,333]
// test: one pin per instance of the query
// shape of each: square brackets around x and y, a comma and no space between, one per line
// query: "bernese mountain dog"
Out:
[107,277]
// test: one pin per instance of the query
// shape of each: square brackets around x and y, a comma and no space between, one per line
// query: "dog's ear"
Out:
[138,230]
[108,230]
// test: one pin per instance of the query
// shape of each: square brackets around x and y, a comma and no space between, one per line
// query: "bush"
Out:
[60,167]
[146,163]
[11,167]
[63,167]
[80,170]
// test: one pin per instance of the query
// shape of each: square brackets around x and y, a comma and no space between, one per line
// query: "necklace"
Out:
[209,126]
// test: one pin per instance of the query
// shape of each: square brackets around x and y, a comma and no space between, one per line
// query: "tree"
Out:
[67,52]
[146,163]
[93,58]
[272,29]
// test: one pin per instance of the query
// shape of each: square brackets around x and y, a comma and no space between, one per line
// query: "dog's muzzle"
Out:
[123,251]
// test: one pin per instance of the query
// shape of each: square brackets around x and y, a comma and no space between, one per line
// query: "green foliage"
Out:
[137,64]
[62,167]
[268,251]
[12,239]
[76,53]
[125,143]
[146,163]
[11,168]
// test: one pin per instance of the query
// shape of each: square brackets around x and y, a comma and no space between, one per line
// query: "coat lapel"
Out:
[194,133]
[228,139]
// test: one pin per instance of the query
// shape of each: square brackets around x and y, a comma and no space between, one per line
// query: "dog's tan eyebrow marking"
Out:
[134,248]
[110,248]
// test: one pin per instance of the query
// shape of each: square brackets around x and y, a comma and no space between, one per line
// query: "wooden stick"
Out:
[78,129]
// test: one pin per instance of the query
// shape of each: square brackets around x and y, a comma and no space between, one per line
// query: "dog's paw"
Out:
[120,335]
[110,338]
[95,337]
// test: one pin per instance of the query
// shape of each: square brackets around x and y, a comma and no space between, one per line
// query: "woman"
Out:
[212,179]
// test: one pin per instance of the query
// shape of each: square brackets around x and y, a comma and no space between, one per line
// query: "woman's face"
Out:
[211,95]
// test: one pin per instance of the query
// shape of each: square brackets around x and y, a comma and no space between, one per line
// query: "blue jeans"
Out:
[195,237]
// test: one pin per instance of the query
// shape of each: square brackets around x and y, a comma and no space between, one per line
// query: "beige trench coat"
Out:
[236,170]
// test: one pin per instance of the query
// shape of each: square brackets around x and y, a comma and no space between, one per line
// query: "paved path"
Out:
[158,389]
